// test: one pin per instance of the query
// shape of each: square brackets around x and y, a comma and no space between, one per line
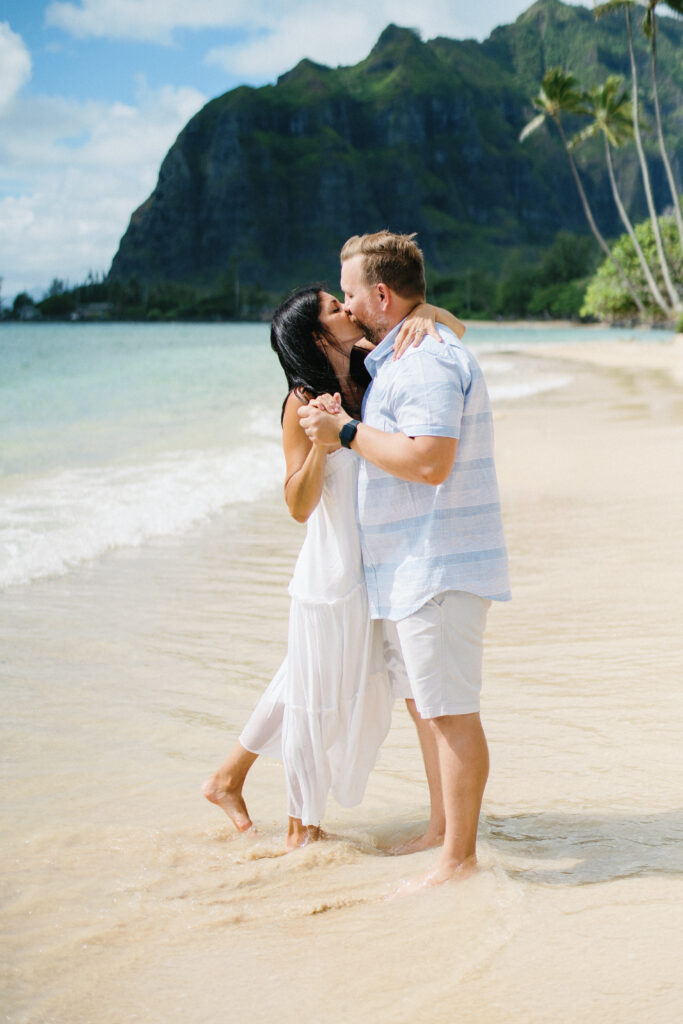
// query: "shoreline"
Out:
[602,325]
[143,667]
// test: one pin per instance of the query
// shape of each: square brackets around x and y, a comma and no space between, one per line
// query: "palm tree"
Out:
[560,93]
[600,11]
[609,106]
[650,30]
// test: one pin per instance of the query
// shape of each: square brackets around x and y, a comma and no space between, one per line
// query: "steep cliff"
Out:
[264,184]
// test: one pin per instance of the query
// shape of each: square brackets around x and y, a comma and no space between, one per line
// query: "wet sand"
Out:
[128,897]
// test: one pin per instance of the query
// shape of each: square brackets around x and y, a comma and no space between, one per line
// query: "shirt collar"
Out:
[383,351]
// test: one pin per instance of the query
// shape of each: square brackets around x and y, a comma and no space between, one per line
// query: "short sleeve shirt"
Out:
[419,540]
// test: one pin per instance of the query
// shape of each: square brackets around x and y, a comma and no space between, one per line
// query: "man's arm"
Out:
[423,459]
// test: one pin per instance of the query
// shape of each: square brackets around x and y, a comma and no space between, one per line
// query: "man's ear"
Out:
[384,295]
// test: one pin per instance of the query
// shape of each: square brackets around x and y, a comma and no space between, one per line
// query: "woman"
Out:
[328,708]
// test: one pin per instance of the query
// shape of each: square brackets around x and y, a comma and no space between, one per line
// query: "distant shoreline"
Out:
[535,325]
[543,325]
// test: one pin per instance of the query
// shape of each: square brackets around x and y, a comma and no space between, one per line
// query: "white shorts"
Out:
[435,655]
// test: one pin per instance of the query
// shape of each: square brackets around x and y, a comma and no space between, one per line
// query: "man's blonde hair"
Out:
[393,260]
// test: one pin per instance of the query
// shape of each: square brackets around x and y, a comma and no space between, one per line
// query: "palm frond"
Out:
[611,7]
[562,92]
[589,132]
[531,126]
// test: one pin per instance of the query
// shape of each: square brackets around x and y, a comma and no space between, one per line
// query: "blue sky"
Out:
[93,93]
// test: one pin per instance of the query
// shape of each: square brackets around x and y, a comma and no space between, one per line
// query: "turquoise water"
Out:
[112,435]
[79,395]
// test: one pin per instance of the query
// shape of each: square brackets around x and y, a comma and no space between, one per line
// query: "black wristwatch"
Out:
[348,432]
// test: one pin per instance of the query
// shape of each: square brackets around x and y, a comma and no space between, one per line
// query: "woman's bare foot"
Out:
[229,798]
[299,835]
[443,872]
[424,841]
[224,788]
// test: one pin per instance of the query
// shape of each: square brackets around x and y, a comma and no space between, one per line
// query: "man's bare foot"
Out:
[299,835]
[230,799]
[424,841]
[449,872]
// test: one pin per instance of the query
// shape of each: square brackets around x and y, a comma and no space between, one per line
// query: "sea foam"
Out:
[60,521]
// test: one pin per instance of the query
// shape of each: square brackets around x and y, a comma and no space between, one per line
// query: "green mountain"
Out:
[263,185]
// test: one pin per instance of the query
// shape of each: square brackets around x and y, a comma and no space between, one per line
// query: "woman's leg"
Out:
[224,788]
[262,733]
[299,834]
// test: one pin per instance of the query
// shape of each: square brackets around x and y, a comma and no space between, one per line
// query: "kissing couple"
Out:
[388,440]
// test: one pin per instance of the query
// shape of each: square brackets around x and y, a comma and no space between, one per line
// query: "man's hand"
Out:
[323,427]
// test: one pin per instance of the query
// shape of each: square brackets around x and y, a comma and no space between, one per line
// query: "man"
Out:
[430,521]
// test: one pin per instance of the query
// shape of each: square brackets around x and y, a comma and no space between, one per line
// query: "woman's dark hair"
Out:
[294,331]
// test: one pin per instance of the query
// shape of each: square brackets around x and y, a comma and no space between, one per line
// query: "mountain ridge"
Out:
[264,184]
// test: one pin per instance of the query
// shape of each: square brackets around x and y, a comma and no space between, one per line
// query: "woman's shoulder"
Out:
[296,398]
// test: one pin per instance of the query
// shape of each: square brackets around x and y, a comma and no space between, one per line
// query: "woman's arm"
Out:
[420,322]
[305,463]
[448,320]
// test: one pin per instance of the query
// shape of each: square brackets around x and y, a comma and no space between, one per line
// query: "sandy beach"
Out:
[129,898]
[630,356]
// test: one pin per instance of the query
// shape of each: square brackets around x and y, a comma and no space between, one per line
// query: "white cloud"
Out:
[72,175]
[146,20]
[15,64]
[333,26]
[332,35]
[343,33]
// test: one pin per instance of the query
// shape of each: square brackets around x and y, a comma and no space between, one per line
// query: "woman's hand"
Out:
[322,419]
[421,321]
[327,403]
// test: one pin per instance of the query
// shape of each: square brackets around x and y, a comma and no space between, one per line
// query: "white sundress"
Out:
[328,708]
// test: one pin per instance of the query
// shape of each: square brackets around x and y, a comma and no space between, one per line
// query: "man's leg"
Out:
[464,763]
[401,688]
[434,833]
[442,649]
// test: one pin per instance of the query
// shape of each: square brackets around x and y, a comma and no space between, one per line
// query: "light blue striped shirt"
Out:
[419,540]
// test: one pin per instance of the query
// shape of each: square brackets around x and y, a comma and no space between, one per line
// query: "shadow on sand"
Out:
[586,849]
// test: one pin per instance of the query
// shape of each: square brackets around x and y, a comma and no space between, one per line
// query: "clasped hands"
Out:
[322,419]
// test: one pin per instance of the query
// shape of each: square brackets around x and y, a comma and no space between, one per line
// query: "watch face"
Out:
[348,432]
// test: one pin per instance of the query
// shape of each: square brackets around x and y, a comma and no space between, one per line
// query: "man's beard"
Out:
[373,334]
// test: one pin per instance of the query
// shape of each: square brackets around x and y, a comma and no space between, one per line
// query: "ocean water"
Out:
[113,435]
[145,551]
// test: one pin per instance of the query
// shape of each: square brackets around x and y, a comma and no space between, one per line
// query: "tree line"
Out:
[527,284]
[642,274]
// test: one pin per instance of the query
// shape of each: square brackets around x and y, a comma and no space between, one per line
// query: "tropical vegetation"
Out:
[643,272]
